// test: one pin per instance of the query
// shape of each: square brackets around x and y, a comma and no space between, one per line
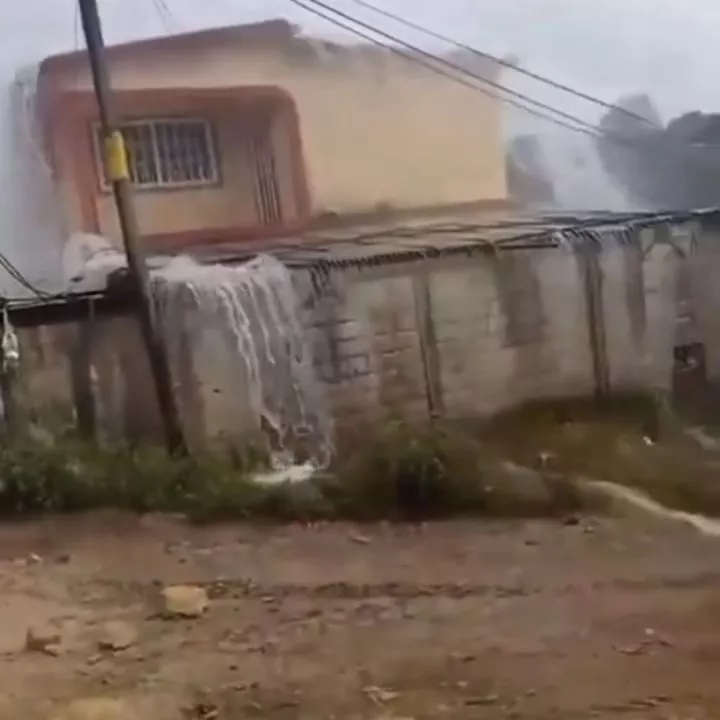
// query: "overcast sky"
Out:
[607,48]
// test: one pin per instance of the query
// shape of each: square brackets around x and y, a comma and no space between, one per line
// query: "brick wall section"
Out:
[503,330]
[364,335]
[496,330]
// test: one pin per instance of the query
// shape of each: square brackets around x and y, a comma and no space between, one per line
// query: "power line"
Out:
[436,65]
[508,64]
[418,54]
[165,15]
[16,275]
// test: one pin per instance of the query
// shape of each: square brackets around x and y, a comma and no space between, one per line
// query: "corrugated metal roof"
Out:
[387,243]
[395,242]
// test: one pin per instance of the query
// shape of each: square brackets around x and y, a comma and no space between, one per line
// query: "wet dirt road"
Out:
[611,618]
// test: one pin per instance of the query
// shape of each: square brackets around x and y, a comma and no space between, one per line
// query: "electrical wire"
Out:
[508,64]
[16,275]
[165,15]
[437,65]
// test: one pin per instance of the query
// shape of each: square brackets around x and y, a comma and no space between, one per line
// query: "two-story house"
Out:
[252,131]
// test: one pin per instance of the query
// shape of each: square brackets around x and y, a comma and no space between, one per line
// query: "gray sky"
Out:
[608,48]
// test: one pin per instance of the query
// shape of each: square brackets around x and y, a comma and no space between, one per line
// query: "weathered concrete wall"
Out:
[639,277]
[705,275]
[474,336]
[457,336]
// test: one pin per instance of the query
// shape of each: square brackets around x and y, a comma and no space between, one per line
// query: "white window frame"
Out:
[153,122]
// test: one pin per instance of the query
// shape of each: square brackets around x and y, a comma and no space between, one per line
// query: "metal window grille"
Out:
[259,148]
[167,153]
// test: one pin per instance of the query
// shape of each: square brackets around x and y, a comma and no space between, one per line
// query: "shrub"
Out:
[403,472]
[409,472]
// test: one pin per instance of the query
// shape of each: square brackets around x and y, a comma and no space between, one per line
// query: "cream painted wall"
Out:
[377,130]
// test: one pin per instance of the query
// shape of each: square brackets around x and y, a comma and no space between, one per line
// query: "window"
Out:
[167,153]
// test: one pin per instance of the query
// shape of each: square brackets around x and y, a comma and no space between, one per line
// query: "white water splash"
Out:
[286,475]
[709,527]
[253,315]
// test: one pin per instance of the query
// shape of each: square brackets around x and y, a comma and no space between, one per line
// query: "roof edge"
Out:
[276,29]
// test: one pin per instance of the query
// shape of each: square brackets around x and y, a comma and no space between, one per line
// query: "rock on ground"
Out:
[117,635]
[185,601]
[95,709]
[43,638]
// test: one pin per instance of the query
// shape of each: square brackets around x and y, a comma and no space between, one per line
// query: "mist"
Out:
[658,47]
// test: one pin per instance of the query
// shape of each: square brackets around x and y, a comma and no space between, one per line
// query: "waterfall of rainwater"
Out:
[251,313]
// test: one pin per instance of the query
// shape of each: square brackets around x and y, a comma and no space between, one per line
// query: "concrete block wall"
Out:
[474,336]
[42,390]
[704,269]
[638,310]
[363,332]
[567,333]
[508,328]
[663,301]
[463,336]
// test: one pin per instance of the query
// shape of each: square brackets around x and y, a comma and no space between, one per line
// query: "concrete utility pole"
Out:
[117,168]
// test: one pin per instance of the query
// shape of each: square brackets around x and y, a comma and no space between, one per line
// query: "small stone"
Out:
[52,650]
[485,700]
[361,539]
[117,635]
[379,695]
[96,709]
[631,650]
[41,637]
[203,711]
[184,601]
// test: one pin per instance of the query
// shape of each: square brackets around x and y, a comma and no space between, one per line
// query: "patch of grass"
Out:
[629,440]
[402,473]
[522,463]
[72,475]
[410,472]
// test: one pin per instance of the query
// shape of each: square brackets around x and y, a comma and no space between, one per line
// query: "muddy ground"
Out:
[610,618]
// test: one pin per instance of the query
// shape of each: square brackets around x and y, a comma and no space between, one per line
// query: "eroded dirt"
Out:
[605,619]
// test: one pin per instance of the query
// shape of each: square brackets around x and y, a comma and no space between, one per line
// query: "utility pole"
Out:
[117,169]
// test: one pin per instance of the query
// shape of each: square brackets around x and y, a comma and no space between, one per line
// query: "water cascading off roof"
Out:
[251,312]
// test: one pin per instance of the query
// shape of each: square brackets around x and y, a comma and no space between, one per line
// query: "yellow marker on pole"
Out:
[116,156]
